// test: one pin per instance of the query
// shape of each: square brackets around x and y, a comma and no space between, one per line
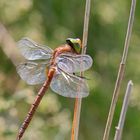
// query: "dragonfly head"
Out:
[75,43]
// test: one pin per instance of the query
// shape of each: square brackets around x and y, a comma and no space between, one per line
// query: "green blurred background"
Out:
[50,22]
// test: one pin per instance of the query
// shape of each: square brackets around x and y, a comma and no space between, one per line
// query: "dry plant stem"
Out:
[8,45]
[75,125]
[119,128]
[120,72]
[78,101]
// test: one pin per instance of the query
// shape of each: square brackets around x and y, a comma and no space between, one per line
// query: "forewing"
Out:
[69,85]
[33,73]
[32,51]
[74,63]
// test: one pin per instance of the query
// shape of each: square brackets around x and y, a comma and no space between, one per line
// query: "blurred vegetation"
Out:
[51,22]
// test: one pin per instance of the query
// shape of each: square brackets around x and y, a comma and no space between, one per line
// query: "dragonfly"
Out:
[57,69]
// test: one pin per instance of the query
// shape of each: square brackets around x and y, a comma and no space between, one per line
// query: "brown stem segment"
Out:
[74,120]
[78,101]
[34,106]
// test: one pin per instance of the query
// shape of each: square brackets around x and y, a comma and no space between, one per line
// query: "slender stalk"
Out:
[119,128]
[8,44]
[120,72]
[78,101]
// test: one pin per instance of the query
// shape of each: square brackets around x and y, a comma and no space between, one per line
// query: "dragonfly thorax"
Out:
[60,50]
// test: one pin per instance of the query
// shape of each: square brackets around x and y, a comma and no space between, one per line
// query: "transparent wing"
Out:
[69,85]
[74,63]
[32,51]
[33,73]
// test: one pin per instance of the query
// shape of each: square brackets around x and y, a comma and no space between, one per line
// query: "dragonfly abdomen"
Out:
[35,104]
